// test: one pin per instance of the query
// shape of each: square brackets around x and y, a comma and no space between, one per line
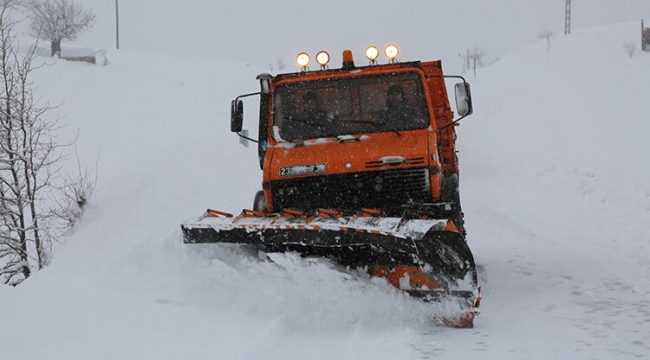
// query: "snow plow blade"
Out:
[428,259]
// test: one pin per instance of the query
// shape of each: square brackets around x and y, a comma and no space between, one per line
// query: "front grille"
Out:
[385,189]
[408,161]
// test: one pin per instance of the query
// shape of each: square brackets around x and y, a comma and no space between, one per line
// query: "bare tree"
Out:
[280,64]
[472,59]
[13,253]
[29,174]
[73,195]
[630,48]
[7,5]
[546,35]
[58,20]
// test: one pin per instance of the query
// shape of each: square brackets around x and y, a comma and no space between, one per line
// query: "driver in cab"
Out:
[312,122]
[397,109]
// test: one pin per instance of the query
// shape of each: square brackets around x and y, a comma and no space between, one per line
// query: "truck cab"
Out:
[375,136]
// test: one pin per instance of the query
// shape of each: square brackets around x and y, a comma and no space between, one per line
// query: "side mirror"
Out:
[236,115]
[463,99]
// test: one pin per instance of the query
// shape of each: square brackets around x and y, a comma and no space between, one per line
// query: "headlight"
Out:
[303,60]
[391,52]
[322,58]
[372,53]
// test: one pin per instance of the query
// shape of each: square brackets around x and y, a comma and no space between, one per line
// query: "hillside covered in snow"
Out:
[554,186]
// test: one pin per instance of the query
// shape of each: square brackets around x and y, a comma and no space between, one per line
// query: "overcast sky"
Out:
[261,32]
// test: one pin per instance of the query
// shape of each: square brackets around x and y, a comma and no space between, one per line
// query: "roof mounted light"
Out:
[391,52]
[322,58]
[348,59]
[303,60]
[372,53]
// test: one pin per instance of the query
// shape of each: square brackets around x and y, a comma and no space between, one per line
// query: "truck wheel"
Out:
[259,204]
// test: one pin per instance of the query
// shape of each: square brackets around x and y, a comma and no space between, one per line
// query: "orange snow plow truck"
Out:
[359,166]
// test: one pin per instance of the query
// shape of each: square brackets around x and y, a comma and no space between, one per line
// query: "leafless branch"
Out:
[58,20]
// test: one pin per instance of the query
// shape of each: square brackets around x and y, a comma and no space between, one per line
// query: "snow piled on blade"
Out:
[396,227]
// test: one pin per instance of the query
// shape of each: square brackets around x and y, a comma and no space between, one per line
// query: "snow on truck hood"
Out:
[353,153]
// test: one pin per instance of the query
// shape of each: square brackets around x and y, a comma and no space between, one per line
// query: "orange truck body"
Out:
[430,147]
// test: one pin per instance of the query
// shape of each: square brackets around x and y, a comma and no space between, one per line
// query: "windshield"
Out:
[350,105]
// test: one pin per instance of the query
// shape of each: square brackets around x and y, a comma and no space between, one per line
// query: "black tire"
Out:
[259,203]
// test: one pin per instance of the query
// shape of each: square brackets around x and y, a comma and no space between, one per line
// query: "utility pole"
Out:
[644,40]
[567,18]
[117,26]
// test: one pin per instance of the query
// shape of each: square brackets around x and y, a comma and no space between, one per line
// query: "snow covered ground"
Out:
[555,185]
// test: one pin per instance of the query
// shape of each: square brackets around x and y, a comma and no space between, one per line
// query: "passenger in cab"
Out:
[397,110]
